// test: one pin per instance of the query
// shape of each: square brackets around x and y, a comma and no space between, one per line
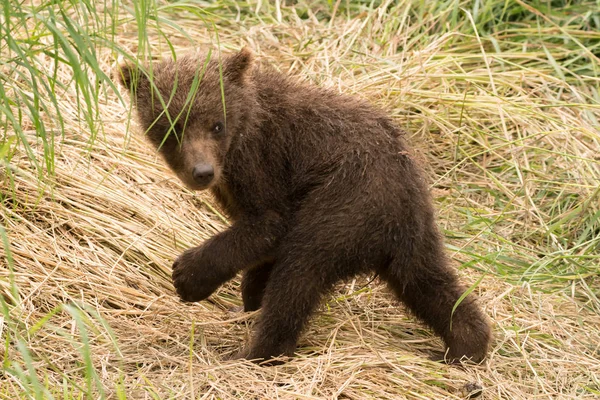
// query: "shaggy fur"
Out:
[320,187]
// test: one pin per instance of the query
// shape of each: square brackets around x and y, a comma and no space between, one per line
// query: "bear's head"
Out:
[191,109]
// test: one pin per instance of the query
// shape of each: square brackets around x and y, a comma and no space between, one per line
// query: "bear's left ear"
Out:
[128,75]
[237,65]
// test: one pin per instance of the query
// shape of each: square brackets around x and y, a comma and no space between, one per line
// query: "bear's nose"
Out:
[203,173]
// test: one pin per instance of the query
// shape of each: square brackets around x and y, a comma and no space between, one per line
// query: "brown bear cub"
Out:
[319,187]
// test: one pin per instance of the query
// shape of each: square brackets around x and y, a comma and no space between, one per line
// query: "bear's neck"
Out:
[225,200]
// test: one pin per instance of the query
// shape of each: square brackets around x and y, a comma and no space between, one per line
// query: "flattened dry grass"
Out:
[502,111]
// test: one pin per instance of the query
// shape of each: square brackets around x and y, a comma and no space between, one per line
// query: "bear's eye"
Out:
[218,127]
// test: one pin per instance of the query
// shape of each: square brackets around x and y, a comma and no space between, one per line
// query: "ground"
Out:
[500,103]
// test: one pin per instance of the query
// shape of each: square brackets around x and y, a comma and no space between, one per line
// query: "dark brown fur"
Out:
[320,188]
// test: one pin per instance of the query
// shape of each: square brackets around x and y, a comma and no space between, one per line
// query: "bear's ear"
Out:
[128,75]
[237,65]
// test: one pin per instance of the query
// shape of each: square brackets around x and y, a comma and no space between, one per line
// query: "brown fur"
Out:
[320,188]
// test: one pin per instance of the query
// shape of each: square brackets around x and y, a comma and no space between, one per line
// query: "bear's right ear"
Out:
[237,65]
[127,75]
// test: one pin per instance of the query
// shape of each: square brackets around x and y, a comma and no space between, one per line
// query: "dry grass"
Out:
[507,129]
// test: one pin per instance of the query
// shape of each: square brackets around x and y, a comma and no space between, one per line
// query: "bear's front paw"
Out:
[194,276]
[265,361]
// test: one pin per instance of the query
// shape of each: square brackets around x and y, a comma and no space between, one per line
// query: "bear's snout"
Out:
[203,174]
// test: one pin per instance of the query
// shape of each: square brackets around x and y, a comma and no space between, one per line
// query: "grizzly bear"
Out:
[320,187]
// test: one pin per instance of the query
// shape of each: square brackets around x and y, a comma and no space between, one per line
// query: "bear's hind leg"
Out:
[431,289]
[254,282]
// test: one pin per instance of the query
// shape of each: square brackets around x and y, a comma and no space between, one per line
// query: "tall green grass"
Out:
[48,49]
[72,35]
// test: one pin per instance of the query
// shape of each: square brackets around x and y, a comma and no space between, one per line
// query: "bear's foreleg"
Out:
[199,271]
[293,292]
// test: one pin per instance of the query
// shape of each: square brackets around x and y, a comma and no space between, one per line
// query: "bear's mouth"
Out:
[198,184]
[192,185]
